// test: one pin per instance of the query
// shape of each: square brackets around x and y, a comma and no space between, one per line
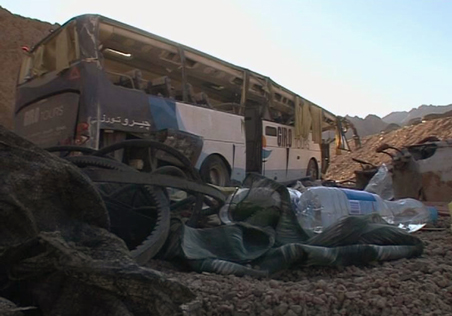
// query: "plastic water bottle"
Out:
[319,207]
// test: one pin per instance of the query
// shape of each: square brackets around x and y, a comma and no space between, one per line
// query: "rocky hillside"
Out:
[369,125]
[16,32]
[373,124]
[404,117]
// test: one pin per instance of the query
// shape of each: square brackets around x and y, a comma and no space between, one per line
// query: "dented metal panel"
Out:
[434,161]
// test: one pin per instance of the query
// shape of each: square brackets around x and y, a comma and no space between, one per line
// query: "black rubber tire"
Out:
[171,171]
[144,143]
[71,148]
[215,171]
[312,170]
[100,162]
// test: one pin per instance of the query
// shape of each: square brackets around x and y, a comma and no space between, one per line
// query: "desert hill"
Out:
[373,124]
[404,117]
[369,125]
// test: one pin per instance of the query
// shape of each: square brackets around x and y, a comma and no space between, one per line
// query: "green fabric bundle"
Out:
[264,237]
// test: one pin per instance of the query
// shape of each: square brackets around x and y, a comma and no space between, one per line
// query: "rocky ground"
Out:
[420,286]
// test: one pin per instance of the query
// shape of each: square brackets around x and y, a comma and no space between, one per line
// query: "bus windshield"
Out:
[54,53]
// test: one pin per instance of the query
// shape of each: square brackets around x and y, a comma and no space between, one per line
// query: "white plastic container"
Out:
[319,207]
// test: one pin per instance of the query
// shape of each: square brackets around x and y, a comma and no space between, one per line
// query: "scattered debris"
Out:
[434,160]
[341,169]
[55,242]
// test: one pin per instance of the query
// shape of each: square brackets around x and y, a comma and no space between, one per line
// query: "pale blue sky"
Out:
[354,57]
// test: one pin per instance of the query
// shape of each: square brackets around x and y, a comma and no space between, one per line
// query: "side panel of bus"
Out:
[50,121]
[284,158]
[223,134]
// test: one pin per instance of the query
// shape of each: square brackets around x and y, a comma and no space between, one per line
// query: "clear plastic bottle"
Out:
[319,207]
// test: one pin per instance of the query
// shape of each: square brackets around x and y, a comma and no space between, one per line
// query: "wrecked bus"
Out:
[96,81]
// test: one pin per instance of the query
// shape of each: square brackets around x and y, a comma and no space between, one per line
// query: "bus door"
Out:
[253,136]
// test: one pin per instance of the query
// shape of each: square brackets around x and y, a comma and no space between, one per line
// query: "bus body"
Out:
[96,81]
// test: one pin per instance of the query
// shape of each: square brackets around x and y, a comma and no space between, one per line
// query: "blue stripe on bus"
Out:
[163,112]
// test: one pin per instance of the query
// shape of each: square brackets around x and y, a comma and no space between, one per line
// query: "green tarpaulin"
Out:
[264,237]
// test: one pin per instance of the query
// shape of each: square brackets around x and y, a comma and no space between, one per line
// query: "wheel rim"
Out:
[217,177]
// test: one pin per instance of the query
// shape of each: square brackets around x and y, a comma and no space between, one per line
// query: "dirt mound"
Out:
[17,32]
[342,166]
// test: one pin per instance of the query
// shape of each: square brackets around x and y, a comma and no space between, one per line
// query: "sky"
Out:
[354,57]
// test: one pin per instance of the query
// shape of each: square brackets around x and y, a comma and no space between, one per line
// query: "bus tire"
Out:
[215,171]
[312,170]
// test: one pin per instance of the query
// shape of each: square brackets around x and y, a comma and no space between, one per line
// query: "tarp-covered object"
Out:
[55,250]
[265,238]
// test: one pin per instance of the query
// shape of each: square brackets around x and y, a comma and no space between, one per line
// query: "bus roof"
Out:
[327,114]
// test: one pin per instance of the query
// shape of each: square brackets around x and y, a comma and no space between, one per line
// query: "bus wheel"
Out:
[215,171]
[312,170]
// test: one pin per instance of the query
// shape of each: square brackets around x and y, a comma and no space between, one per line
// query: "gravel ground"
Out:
[419,286]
